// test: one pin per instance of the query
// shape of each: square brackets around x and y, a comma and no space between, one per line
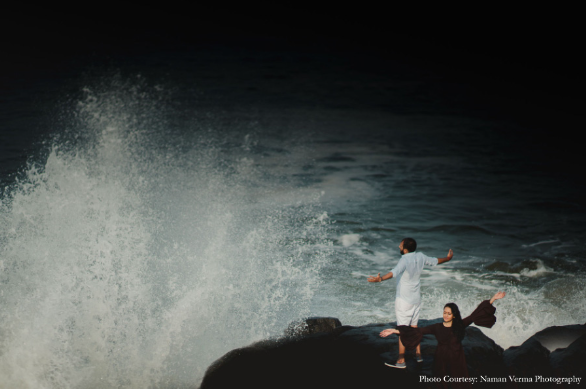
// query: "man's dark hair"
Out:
[410,244]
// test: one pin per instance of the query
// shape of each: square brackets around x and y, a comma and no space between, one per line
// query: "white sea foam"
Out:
[127,261]
[349,239]
[541,242]
[539,271]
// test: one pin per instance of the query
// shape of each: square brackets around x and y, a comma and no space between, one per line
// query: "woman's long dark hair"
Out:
[457,323]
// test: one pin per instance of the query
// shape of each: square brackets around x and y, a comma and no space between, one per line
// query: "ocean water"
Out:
[160,209]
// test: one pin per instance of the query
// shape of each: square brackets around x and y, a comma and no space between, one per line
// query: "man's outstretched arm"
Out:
[446,259]
[378,278]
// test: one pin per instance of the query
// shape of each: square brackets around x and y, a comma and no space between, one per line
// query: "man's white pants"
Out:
[407,314]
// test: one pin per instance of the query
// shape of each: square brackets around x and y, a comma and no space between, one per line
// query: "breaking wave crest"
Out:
[131,257]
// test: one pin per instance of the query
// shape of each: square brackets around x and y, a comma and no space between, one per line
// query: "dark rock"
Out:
[344,357]
[322,353]
[312,325]
[387,348]
[533,358]
[557,337]
[528,359]
[483,355]
[571,360]
[340,330]
[316,361]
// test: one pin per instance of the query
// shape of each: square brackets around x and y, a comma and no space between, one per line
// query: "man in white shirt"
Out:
[408,298]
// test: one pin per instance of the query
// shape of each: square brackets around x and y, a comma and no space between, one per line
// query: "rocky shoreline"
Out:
[323,353]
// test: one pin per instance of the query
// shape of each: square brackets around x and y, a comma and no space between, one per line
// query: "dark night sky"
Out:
[525,60]
[481,41]
[539,50]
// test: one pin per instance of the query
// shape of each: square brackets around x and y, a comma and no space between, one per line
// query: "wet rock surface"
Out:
[323,353]
[528,359]
[571,360]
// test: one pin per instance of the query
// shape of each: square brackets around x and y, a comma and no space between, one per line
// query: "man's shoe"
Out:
[397,365]
[418,357]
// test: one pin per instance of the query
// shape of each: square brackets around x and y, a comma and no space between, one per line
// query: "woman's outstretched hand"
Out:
[388,331]
[497,296]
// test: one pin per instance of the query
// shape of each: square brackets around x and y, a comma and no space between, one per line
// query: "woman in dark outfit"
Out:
[449,357]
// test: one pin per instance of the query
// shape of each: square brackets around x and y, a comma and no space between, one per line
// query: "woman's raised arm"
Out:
[497,296]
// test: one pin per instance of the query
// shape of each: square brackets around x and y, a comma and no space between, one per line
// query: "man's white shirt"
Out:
[408,275]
